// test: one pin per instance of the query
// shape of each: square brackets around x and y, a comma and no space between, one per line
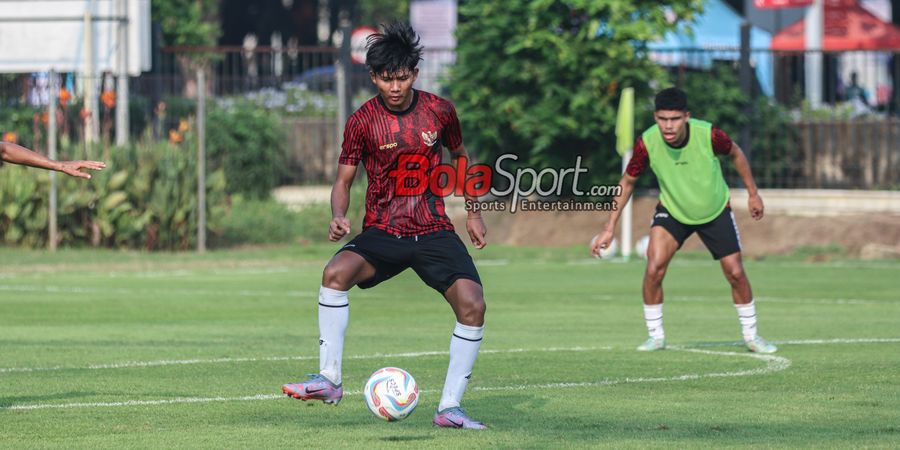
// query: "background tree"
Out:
[374,13]
[774,157]
[192,23]
[541,78]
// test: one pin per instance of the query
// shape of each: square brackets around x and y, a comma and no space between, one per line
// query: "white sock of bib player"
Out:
[334,313]
[464,345]
[653,316]
[747,316]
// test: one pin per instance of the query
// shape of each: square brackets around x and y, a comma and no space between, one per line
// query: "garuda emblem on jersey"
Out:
[429,137]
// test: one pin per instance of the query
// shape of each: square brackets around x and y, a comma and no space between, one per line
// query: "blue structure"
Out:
[716,35]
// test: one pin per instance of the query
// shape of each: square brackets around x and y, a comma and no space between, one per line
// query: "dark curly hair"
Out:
[671,99]
[396,48]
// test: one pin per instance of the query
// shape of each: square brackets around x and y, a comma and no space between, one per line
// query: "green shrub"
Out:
[254,221]
[19,119]
[542,78]
[146,198]
[248,143]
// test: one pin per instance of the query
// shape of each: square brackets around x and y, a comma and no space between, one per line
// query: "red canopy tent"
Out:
[848,26]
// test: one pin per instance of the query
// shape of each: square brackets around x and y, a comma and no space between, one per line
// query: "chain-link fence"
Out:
[846,142]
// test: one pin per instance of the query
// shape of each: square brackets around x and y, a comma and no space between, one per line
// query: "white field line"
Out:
[188,272]
[840,341]
[803,342]
[796,264]
[799,300]
[160,363]
[165,273]
[712,263]
[170,401]
[773,364]
[141,273]
[727,299]
[50,289]
[128,291]
[491,262]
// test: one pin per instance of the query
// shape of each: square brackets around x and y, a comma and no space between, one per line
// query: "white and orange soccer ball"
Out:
[641,246]
[608,251]
[391,393]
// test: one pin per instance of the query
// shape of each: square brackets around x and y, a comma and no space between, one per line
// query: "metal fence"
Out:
[782,74]
[846,143]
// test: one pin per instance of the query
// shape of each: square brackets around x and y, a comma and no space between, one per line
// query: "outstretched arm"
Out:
[17,154]
[754,202]
[606,236]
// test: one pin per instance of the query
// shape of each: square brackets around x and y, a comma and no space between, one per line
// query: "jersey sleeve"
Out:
[354,143]
[640,159]
[452,134]
[721,142]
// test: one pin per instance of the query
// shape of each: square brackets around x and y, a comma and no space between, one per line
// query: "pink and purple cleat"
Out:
[456,418]
[317,387]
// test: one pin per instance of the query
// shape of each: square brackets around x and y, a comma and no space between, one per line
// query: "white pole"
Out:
[814,26]
[91,129]
[626,215]
[201,161]
[51,152]
[122,131]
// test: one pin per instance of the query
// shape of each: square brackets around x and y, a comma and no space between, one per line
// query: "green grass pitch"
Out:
[119,350]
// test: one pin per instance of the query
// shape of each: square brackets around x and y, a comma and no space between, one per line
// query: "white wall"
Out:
[39,35]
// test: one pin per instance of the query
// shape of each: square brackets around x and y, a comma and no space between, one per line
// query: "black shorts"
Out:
[720,235]
[439,258]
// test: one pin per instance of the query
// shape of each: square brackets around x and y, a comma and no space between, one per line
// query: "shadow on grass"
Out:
[407,438]
[711,344]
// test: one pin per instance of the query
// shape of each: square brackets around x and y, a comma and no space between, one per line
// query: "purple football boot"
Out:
[316,387]
[456,418]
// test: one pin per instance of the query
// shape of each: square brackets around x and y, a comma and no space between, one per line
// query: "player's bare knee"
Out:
[335,277]
[479,308]
[471,311]
[736,276]
[655,273]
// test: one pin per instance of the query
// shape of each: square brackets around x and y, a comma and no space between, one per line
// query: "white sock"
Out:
[464,345]
[653,316]
[334,313]
[747,316]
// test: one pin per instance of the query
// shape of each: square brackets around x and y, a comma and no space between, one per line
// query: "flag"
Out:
[625,122]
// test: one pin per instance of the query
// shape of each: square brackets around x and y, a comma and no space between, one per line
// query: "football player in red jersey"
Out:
[400,230]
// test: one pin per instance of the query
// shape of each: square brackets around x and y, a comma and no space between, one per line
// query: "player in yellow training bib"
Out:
[683,153]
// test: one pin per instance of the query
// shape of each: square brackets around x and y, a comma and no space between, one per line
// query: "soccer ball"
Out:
[641,247]
[609,250]
[391,393]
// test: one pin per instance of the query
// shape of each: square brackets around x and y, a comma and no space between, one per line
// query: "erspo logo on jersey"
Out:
[414,175]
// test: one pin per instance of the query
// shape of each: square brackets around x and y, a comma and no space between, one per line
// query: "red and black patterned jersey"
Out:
[640,159]
[378,136]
